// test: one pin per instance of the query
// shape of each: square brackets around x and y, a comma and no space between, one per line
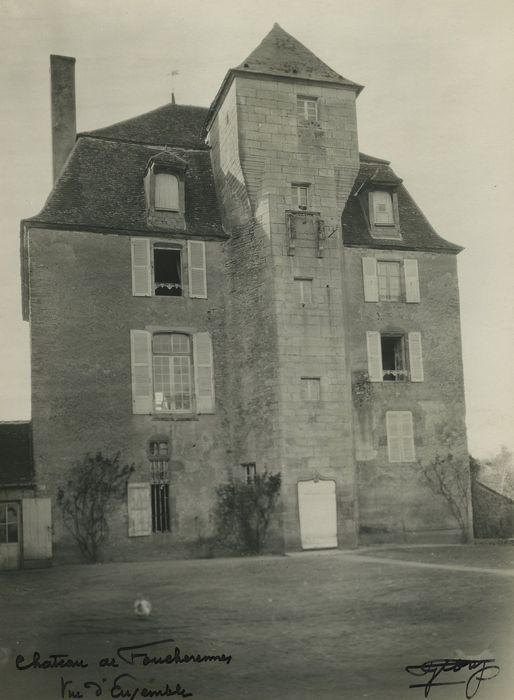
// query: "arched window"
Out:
[166,192]
[172,385]
[383,208]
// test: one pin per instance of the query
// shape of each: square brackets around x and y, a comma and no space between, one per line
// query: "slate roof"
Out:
[417,233]
[101,187]
[16,454]
[279,53]
[169,125]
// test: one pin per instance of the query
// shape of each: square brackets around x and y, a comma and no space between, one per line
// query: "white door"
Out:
[37,530]
[318,514]
[10,535]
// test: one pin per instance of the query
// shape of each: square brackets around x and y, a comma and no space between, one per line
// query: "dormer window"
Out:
[300,196]
[164,183]
[167,192]
[382,208]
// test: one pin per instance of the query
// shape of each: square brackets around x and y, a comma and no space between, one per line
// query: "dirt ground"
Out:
[328,625]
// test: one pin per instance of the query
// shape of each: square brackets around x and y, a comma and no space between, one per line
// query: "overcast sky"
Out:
[438,103]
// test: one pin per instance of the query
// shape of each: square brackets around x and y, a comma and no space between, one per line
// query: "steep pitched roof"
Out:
[101,187]
[16,454]
[170,125]
[417,233]
[279,53]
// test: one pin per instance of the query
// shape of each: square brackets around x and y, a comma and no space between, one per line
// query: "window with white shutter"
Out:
[141,360]
[204,372]
[166,192]
[410,268]
[415,357]
[374,356]
[141,267]
[139,503]
[197,270]
[400,436]
[369,273]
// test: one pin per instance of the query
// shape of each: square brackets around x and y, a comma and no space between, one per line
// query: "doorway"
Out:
[10,531]
[318,514]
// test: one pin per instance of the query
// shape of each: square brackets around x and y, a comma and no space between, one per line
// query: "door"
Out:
[318,514]
[10,535]
[37,531]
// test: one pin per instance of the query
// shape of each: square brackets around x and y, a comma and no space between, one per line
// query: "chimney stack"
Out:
[64,123]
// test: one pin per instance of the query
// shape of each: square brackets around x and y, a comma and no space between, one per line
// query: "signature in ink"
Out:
[482,670]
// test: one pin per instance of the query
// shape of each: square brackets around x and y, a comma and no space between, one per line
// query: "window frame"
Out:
[163,245]
[250,469]
[377,228]
[306,100]
[401,288]
[398,374]
[307,384]
[171,378]
[296,189]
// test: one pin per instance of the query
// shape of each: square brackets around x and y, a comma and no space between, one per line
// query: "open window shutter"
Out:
[407,437]
[204,373]
[369,272]
[410,268]
[141,360]
[141,267]
[393,427]
[139,502]
[197,272]
[375,370]
[415,357]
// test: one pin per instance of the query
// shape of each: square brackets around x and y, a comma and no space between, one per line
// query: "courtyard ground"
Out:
[328,625]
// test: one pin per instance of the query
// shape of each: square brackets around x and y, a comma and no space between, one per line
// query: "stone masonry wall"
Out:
[82,310]
[394,505]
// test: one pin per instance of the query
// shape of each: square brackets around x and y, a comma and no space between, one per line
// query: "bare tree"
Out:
[95,483]
[449,478]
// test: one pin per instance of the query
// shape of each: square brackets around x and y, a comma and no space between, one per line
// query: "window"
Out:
[167,271]
[393,358]
[307,109]
[382,208]
[304,289]
[8,523]
[158,268]
[172,372]
[300,196]
[400,436]
[172,388]
[388,353]
[250,470]
[391,280]
[166,192]
[159,454]
[311,388]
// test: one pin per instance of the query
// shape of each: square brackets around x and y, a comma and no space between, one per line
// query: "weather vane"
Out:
[173,74]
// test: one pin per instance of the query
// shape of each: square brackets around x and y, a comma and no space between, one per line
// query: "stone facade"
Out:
[285,311]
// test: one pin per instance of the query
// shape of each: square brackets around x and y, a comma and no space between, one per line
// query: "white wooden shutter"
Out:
[374,346]
[141,267]
[139,501]
[400,436]
[141,361]
[197,271]
[37,528]
[415,357]
[369,273]
[166,191]
[394,448]
[204,372]
[407,438]
[410,269]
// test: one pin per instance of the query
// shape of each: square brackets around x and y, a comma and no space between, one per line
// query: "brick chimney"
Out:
[64,124]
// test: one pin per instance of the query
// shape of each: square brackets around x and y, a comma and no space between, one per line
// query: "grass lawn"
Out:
[316,625]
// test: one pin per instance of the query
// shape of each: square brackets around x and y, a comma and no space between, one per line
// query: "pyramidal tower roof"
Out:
[279,53]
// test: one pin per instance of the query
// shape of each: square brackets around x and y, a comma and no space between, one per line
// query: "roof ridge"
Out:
[146,144]
[121,122]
